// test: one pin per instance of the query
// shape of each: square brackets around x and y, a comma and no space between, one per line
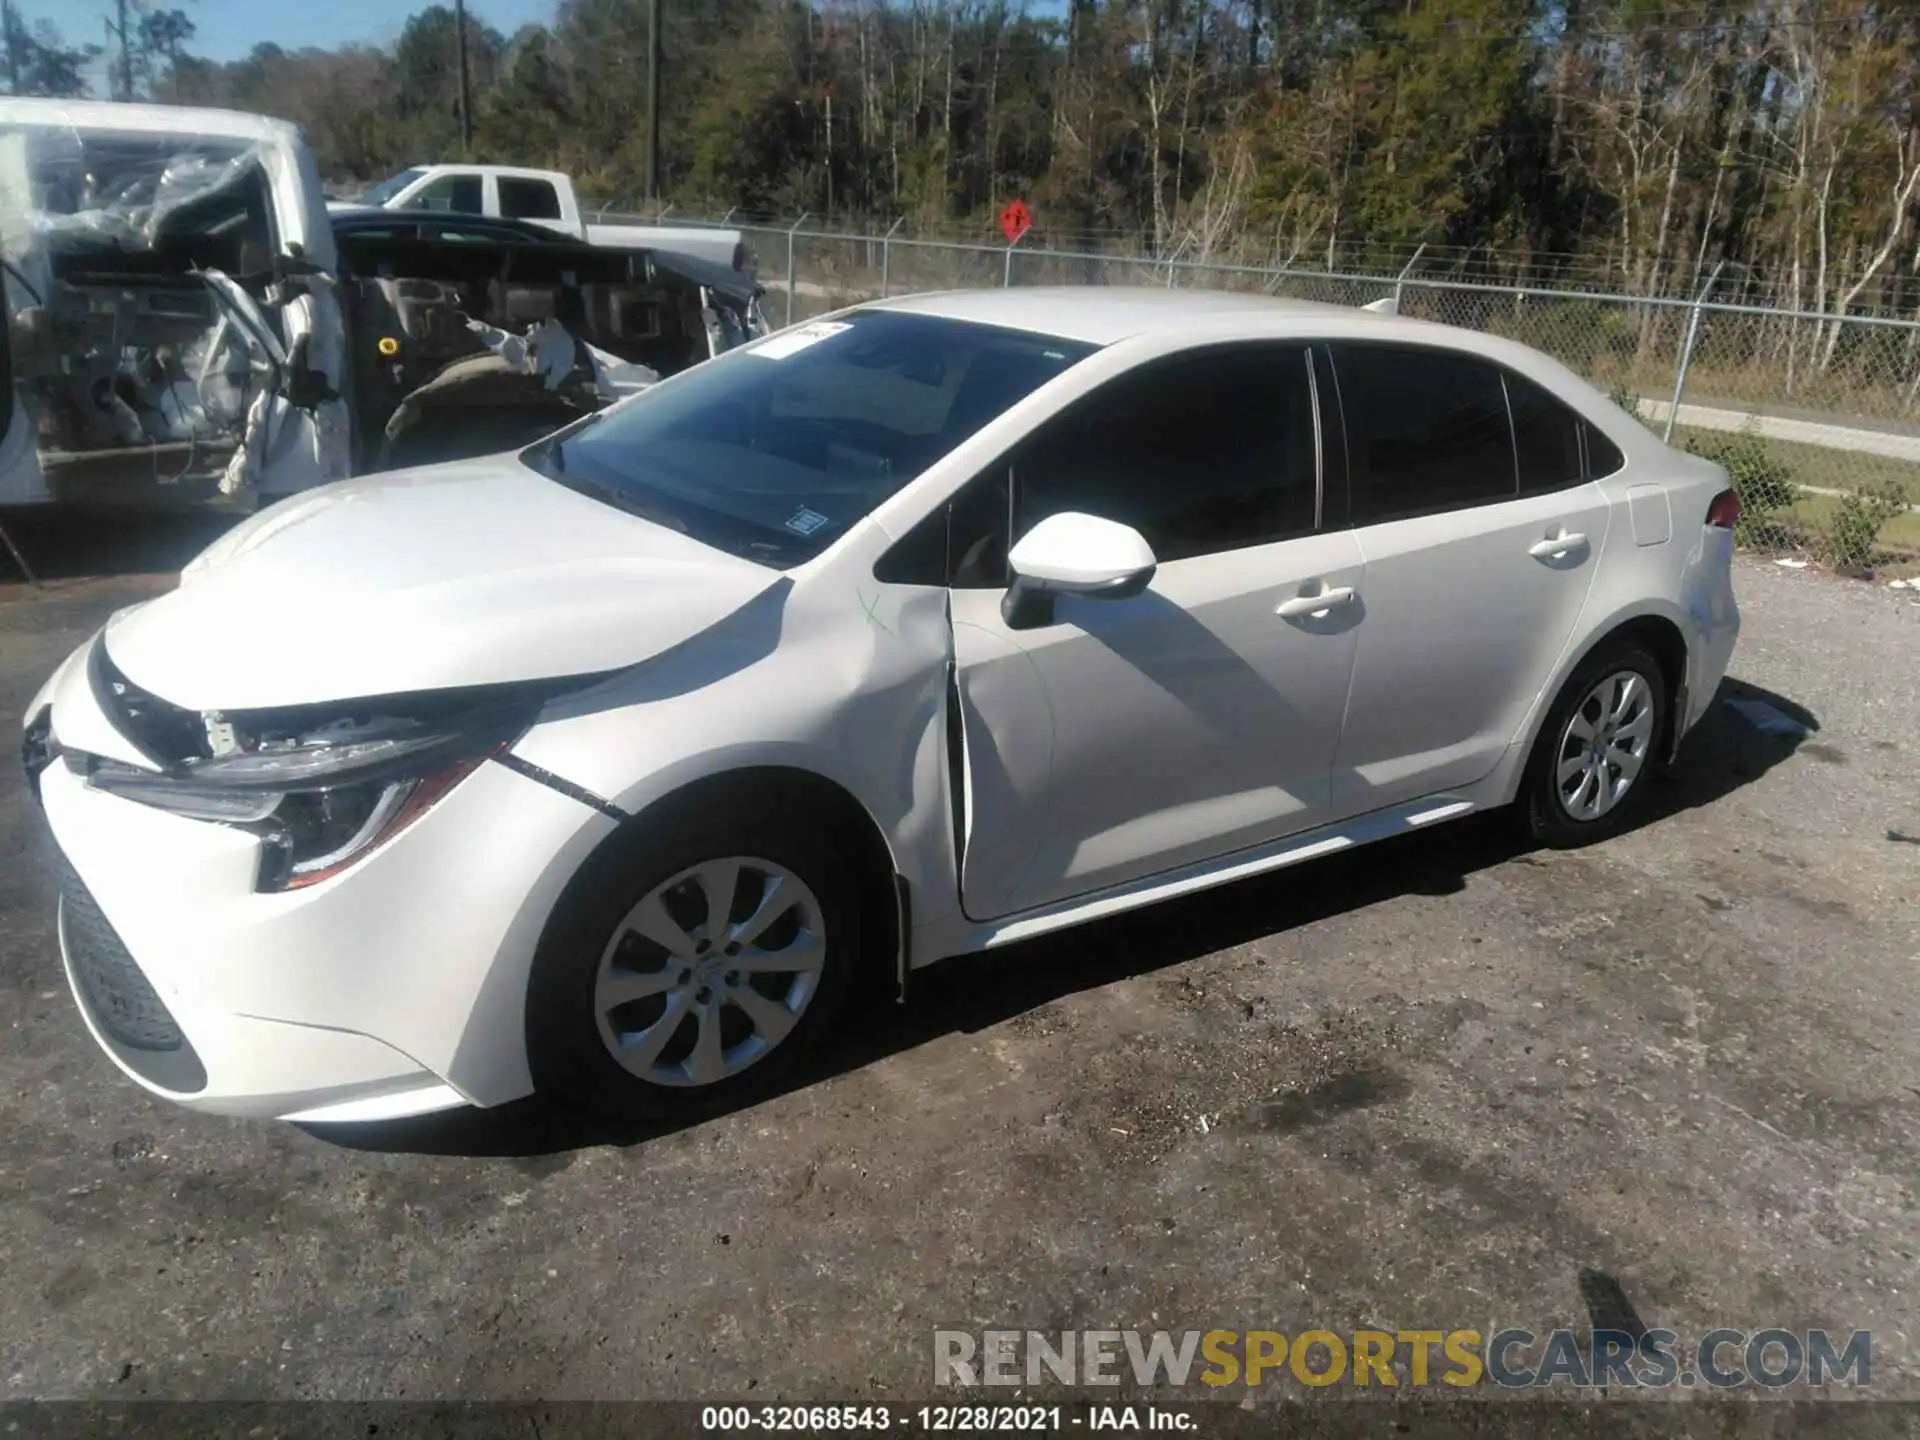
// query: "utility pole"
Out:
[10,19]
[653,100]
[460,57]
[126,52]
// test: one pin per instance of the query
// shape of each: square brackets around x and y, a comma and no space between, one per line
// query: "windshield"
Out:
[82,185]
[775,452]
[390,187]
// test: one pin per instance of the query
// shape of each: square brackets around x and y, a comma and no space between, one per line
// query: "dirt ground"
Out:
[1438,1083]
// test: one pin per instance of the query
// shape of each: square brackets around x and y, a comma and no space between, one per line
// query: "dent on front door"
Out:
[1133,737]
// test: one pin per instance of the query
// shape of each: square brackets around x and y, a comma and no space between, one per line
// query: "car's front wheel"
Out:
[1599,748]
[692,966]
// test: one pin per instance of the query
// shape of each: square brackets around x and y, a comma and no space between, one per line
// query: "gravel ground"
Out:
[1437,1083]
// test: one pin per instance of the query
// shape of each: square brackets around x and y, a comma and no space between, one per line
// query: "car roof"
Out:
[128,118]
[499,172]
[1103,314]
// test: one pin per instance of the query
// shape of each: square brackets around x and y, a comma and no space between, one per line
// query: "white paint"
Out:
[1205,877]
[399,1106]
[1650,513]
[1131,750]
[1069,552]
[454,575]
[1138,735]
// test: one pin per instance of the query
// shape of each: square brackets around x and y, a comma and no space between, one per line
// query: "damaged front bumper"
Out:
[393,988]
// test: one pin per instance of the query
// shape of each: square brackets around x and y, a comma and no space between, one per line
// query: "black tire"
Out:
[1545,811]
[569,1059]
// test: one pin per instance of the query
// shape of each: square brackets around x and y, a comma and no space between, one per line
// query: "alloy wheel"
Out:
[1604,746]
[710,971]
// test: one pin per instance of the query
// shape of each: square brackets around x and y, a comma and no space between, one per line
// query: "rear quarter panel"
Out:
[1684,578]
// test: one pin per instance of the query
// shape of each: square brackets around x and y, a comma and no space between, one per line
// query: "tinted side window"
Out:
[962,544]
[457,193]
[1603,456]
[1546,438]
[1426,431]
[528,200]
[1199,453]
[980,522]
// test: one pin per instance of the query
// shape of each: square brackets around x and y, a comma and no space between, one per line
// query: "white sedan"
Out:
[607,769]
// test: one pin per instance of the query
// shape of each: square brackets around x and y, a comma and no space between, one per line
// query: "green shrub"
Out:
[1762,479]
[1622,395]
[1853,528]
[1587,335]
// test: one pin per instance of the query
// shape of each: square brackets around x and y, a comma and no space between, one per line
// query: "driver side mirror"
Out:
[1074,554]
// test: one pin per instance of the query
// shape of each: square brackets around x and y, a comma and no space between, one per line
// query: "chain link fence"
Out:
[1816,417]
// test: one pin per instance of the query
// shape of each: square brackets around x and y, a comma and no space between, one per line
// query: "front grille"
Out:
[123,1003]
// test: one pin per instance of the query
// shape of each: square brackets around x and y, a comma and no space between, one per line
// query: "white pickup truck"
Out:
[543,197]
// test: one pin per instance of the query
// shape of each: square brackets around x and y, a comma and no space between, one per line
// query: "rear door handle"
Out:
[1315,604]
[1554,546]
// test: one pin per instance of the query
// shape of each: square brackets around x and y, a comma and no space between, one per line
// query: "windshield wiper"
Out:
[614,496]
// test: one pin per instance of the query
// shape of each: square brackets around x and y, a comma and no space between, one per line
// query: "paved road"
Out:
[1436,1083]
[1832,433]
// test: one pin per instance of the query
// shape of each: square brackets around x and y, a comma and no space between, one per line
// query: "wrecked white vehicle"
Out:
[182,314]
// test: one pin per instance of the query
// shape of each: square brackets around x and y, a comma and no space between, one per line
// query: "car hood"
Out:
[477,573]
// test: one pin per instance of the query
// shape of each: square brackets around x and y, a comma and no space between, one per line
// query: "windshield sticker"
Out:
[792,342]
[804,521]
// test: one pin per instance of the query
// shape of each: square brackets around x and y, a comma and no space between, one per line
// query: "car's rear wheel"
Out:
[692,965]
[1596,754]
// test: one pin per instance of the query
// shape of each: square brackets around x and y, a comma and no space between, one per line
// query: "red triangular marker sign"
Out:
[1015,220]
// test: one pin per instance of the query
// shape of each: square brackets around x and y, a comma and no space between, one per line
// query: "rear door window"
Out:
[522,199]
[1546,438]
[1603,456]
[1426,430]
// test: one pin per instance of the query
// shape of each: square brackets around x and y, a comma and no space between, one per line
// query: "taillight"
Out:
[1724,510]
[739,254]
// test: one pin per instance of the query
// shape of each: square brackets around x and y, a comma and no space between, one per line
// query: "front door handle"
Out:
[1315,604]
[1556,547]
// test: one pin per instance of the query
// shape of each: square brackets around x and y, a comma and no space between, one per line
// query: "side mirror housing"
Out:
[1074,554]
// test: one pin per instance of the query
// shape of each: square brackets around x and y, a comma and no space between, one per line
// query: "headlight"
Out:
[324,791]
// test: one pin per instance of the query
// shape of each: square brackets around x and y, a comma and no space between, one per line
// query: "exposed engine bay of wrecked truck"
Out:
[160,330]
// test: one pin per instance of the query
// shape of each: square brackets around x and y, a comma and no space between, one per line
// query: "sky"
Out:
[229,29]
